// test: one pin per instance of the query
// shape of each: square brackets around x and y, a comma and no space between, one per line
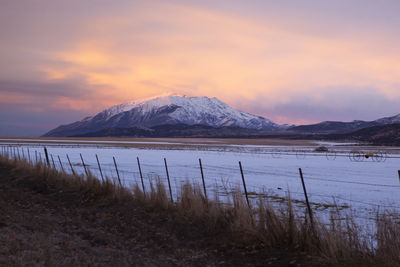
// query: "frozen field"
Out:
[365,186]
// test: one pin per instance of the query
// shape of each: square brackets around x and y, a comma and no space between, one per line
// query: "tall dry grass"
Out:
[340,243]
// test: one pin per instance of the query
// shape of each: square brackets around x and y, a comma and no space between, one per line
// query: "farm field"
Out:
[334,180]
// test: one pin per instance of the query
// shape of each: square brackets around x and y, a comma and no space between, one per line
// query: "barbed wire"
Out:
[37,156]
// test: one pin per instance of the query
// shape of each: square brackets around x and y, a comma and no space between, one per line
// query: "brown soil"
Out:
[41,225]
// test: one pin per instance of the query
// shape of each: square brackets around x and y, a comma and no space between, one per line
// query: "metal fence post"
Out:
[101,173]
[52,160]
[244,184]
[47,157]
[169,183]
[62,167]
[29,155]
[116,169]
[202,178]
[305,194]
[84,165]
[140,172]
[70,164]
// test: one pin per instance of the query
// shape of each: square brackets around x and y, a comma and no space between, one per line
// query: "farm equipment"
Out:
[376,156]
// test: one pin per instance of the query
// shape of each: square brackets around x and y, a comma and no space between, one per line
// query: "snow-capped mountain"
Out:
[166,110]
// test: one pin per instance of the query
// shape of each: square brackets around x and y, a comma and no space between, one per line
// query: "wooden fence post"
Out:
[169,183]
[116,169]
[202,178]
[244,184]
[140,172]
[305,194]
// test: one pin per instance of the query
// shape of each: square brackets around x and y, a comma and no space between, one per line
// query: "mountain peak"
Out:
[147,99]
[168,109]
[150,103]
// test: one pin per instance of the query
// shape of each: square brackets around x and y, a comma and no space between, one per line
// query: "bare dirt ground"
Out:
[41,225]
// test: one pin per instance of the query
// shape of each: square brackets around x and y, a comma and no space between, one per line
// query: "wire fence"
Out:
[144,173]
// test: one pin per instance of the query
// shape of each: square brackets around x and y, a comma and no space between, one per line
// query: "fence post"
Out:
[398,172]
[19,156]
[202,178]
[40,158]
[101,173]
[305,194]
[70,164]
[62,167]
[116,169]
[23,153]
[52,160]
[84,165]
[140,172]
[36,157]
[47,157]
[169,183]
[29,155]
[244,184]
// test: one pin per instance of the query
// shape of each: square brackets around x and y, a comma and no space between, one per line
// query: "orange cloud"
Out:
[169,47]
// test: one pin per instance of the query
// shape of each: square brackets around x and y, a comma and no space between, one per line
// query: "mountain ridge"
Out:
[332,127]
[164,110]
[175,115]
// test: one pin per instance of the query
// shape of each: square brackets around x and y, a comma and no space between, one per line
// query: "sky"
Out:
[290,61]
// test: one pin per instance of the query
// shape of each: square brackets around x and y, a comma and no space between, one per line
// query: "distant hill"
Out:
[329,127]
[378,135]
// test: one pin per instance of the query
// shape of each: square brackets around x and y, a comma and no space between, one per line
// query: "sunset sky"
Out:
[291,61]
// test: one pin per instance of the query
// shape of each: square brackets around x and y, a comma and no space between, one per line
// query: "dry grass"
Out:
[341,243]
[87,185]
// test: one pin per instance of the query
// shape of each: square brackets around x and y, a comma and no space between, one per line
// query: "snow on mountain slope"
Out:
[167,109]
[195,110]
[389,120]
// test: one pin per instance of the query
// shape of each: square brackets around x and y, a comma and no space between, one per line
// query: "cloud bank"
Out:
[292,63]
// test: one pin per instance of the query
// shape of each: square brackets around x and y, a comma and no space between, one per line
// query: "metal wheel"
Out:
[356,156]
[330,155]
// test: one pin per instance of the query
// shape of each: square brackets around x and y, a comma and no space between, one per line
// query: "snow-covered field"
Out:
[365,186]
